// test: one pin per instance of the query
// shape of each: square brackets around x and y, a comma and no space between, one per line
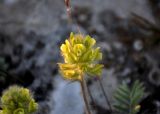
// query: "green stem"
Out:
[83,87]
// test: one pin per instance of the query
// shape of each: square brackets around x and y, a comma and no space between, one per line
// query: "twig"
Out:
[68,9]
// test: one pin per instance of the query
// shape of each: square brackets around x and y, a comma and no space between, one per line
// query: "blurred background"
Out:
[128,32]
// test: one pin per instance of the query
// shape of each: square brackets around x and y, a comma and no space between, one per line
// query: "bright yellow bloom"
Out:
[80,56]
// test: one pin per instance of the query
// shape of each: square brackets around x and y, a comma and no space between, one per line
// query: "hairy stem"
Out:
[105,95]
[90,96]
[83,87]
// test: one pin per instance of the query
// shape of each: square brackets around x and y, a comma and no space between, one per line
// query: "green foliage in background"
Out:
[18,100]
[127,99]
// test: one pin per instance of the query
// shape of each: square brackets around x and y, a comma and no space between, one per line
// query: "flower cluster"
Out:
[18,100]
[80,57]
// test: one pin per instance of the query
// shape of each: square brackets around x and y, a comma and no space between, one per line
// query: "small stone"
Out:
[138,45]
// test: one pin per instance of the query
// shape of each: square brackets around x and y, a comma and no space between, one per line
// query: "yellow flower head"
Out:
[80,56]
[18,100]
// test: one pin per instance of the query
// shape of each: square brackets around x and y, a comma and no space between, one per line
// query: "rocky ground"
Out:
[127,31]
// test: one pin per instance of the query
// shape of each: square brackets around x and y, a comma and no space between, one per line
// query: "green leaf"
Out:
[121,99]
[122,109]
[127,99]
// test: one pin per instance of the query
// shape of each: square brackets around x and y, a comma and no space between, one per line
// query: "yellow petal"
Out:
[63,48]
[70,75]
[67,66]
[79,49]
